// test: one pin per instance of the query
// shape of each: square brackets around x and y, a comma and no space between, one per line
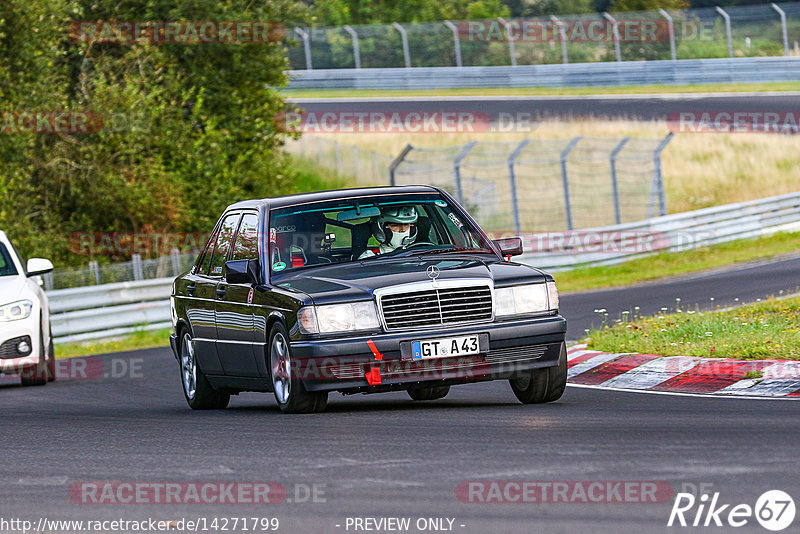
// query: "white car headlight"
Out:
[525,299]
[16,310]
[332,318]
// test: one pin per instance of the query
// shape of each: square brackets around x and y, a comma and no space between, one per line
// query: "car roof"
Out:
[333,194]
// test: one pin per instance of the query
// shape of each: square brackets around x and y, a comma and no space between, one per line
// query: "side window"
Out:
[246,245]
[207,253]
[223,246]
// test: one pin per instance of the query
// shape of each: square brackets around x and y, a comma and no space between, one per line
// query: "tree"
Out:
[188,128]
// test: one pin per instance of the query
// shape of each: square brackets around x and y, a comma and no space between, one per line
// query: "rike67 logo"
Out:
[774,510]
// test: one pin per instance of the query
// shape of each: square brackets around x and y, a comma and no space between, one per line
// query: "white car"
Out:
[26,346]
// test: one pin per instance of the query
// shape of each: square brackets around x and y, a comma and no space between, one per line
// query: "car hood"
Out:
[358,280]
[12,288]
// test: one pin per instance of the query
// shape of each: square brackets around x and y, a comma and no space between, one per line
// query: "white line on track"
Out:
[682,394]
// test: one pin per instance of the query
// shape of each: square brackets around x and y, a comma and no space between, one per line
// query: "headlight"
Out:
[529,298]
[332,318]
[16,310]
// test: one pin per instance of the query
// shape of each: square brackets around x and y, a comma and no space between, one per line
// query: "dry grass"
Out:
[700,170]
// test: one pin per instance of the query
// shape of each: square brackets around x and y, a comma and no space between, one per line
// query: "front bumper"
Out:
[344,363]
[11,333]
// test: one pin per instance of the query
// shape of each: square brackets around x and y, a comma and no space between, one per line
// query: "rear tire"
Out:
[290,394]
[196,389]
[542,385]
[427,393]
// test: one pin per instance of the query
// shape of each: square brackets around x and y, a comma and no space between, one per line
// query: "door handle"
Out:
[221,291]
[190,289]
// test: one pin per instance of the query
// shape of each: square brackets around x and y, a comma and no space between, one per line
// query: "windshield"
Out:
[368,228]
[6,264]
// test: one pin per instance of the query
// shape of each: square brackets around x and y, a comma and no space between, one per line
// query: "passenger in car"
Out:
[394,227]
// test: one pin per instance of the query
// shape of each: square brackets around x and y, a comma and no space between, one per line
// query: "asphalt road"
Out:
[639,107]
[384,455]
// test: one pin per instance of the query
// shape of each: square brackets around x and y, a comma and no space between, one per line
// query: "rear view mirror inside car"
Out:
[358,213]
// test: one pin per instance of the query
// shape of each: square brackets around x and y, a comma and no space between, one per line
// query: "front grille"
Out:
[436,307]
[9,348]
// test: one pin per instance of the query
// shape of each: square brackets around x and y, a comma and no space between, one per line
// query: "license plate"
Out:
[445,347]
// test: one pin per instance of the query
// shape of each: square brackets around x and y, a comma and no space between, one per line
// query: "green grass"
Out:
[765,330]
[668,264]
[142,339]
[547,91]
[311,177]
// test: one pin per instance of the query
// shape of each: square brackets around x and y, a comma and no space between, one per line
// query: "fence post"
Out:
[613,161]
[404,39]
[782,13]
[175,256]
[565,179]
[396,163]
[306,46]
[355,162]
[562,36]
[511,52]
[457,169]
[727,28]
[456,41]
[658,178]
[356,49]
[94,272]
[513,183]
[338,153]
[671,28]
[615,31]
[375,172]
[136,266]
[48,280]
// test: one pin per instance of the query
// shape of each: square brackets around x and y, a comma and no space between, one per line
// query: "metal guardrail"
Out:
[82,313]
[681,231]
[668,72]
[112,309]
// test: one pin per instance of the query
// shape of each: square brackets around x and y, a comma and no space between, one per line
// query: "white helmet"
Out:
[400,215]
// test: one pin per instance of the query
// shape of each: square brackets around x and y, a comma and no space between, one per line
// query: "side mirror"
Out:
[509,246]
[241,271]
[37,266]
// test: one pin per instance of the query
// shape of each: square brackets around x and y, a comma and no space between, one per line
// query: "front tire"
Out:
[36,375]
[427,393]
[51,360]
[196,389]
[290,394]
[542,385]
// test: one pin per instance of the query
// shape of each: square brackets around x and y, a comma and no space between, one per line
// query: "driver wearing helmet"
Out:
[394,227]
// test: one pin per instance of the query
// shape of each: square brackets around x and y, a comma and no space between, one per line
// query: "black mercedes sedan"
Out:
[362,291]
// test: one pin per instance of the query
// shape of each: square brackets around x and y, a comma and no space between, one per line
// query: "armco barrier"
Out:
[667,72]
[110,309]
[80,313]
[680,231]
